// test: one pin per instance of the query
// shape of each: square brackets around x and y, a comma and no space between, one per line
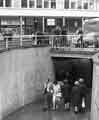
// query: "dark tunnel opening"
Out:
[73,69]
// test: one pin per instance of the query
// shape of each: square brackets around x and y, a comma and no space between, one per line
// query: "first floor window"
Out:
[66,4]
[24,3]
[46,3]
[53,3]
[91,4]
[39,3]
[8,3]
[79,4]
[31,3]
[73,5]
[1,3]
[85,4]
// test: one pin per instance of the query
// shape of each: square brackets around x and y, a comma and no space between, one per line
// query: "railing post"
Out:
[6,43]
[21,33]
[20,40]
[52,41]
[35,42]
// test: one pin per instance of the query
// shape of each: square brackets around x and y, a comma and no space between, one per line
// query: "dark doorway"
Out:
[74,68]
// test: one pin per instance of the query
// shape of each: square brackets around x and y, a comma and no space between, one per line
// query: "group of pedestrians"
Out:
[60,93]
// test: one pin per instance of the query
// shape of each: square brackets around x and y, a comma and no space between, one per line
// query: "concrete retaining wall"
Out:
[95,90]
[22,74]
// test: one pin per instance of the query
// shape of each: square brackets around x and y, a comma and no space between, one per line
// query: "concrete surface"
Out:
[22,74]
[95,90]
[31,112]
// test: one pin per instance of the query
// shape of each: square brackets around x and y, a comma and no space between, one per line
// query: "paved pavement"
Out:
[34,112]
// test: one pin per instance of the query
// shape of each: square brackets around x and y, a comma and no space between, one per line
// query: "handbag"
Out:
[83,102]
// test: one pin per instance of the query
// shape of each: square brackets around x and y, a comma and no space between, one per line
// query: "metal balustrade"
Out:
[54,41]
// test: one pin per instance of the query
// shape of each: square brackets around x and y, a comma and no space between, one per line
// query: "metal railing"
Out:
[54,41]
[75,41]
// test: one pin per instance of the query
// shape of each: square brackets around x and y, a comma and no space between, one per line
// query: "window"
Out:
[85,4]
[73,5]
[10,25]
[24,3]
[79,4]
[8,3]
[66,4]
[53,3]
[73,24]
[31,3]
[39,3]
[46,3]
[32,25]
[1,3]
[91,4]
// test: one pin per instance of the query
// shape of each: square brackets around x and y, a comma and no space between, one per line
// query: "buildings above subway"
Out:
[54,4]
[30,17]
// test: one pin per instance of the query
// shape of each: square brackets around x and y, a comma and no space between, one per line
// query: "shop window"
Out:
[1,3]
[8,3]
[66,4]
[31,3]
[10,26]
[46,3]
[32,25]
[53,3]
[24,3]
[51,23]
[39,3]
[73,24]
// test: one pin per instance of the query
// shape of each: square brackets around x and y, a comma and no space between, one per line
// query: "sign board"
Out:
[51,22]
[10,22]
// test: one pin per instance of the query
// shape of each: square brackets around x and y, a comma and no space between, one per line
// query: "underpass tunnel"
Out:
[73,69]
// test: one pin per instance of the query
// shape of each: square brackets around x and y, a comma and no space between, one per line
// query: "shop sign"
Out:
[51,22]
[10,22]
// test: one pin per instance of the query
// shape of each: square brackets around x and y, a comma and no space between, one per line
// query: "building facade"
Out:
[55,4]
[30,16]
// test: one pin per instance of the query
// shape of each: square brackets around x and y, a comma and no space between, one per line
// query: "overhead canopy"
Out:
[89,36]
[91,25]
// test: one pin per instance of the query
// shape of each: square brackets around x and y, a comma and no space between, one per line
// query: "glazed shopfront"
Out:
[31,25]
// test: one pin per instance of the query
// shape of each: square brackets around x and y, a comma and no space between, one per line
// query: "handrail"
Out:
[53,41]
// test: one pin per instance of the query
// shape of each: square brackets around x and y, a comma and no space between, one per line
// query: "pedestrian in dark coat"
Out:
[48,91]
[80,39]
[76,96]
[64,36]
[66,91]
[83,92]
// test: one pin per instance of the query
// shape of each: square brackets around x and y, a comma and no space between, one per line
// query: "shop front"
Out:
[30,25]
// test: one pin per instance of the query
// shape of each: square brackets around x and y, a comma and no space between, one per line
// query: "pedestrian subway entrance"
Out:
[73,69]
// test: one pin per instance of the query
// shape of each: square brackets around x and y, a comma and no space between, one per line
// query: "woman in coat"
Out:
[66,92]
[76,96]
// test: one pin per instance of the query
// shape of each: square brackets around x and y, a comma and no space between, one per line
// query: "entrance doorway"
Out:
[74,68]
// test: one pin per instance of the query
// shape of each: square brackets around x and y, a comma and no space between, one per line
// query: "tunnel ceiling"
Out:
[77,67]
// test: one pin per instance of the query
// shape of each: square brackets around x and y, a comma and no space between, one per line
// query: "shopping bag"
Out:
[83,103]
[76,109]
